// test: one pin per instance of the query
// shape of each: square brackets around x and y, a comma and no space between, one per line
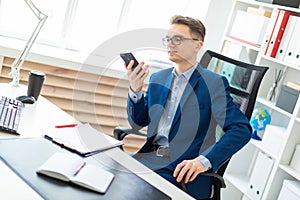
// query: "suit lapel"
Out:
[165,93]
[189,89]
[160,94]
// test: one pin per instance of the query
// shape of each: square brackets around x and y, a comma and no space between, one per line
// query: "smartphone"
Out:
[127,57]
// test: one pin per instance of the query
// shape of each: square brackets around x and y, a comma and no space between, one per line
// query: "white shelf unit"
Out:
[239,170]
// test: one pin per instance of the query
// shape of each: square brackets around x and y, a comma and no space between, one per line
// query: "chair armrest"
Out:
[217,177]
[121,132]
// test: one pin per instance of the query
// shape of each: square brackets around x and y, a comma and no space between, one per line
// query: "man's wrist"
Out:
[205,162]
[135,96]
[134,91]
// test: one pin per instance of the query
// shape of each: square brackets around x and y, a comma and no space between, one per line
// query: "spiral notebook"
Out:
[82,139]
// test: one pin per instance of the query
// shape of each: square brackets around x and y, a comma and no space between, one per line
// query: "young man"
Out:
[181,108]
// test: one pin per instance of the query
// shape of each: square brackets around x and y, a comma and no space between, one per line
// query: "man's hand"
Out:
[137,76]
[189,168]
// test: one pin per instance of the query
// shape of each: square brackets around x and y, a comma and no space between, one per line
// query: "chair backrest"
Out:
[244,80]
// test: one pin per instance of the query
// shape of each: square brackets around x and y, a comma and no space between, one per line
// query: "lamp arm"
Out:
[17,64]
[35,10]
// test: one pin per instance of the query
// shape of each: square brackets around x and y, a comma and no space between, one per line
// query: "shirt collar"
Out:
[187,74]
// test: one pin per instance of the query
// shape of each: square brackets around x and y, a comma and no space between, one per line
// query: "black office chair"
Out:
[244,80]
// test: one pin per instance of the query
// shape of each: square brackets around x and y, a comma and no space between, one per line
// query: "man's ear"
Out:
[199,45]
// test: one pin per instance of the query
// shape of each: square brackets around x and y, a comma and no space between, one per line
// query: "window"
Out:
[11,23]
[156,13]
[82,25]
[94,22]
[18,21]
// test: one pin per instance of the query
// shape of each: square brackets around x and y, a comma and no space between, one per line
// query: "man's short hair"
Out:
[195,25]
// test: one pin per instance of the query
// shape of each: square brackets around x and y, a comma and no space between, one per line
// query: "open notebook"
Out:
[72,168]
[82,139]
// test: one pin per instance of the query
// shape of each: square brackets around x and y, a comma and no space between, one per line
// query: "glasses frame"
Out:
[180,39]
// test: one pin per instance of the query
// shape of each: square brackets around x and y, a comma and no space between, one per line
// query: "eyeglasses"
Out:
[176,40]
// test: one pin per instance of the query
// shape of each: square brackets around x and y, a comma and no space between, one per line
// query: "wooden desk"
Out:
[44,115]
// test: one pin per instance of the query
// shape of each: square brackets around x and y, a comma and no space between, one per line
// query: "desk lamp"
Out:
[18,62]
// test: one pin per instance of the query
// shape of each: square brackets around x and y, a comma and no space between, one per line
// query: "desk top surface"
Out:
[37,117]
[44,115]
[25,155]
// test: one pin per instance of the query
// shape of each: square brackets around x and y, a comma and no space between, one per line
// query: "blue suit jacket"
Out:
[206,102]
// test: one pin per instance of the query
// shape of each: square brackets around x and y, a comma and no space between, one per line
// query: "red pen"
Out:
[80,168]
[66,126]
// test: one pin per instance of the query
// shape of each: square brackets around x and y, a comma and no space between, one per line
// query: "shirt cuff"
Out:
[135,97]
[206,163]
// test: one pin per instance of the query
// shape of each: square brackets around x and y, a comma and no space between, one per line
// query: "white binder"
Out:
[295,162]
[290,190]
[249,28]
[292,55]
[288,32]
[259,176]
[274,136]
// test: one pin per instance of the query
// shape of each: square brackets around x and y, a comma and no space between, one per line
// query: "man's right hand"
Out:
[137,76]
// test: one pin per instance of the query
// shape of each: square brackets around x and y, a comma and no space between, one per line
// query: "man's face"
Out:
[187,50]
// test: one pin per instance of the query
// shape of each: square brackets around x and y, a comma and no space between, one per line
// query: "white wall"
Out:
[215,22]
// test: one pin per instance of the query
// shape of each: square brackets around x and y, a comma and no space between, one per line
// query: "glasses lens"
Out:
[177,40]
[165,41]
